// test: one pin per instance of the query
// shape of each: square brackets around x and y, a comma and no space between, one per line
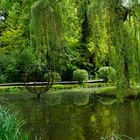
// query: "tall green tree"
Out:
[123,42]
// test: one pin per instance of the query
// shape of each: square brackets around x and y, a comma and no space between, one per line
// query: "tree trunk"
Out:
[126,73]
[38,96]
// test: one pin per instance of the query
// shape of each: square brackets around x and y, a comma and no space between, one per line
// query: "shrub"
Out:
[7,66]
[80,75]
[107,73]
[2,78]
[55,76]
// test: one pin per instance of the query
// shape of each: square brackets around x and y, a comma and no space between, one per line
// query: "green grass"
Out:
[12,90]
[100,89]
[85,85]
[107,91]
[20,89]
[10,126]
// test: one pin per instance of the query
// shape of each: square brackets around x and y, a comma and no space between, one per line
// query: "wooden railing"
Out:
[44,83]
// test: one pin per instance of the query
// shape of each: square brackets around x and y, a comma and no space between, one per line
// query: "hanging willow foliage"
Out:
[119,21]
[114,31]
[123,32]
[46,31]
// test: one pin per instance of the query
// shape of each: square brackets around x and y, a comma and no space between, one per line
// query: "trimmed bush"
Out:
[107,73]
[80,75]
[55,76]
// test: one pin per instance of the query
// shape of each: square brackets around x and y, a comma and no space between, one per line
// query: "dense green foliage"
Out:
[10,126]
[70,34]
[107,73]
[55,76]
[80,75]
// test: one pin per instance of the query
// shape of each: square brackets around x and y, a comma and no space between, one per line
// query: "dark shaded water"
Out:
[57,118]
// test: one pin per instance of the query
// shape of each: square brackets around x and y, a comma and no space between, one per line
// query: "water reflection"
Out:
[52,118]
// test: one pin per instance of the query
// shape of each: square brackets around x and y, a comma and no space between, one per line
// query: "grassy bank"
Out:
[21,89]
[100,89]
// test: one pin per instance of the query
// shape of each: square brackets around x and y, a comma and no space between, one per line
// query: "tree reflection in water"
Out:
[61,118]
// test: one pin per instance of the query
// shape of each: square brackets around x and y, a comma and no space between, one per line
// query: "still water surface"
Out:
[57,118]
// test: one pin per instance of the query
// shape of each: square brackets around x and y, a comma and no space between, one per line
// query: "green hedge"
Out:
[107,73]
[80,75]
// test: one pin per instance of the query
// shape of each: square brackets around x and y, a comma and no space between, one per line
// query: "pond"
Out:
[57,118]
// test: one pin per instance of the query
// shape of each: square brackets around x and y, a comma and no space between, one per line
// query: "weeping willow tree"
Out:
[124,36]
[119,21]
[110,28]
[45,37]
[46,31]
